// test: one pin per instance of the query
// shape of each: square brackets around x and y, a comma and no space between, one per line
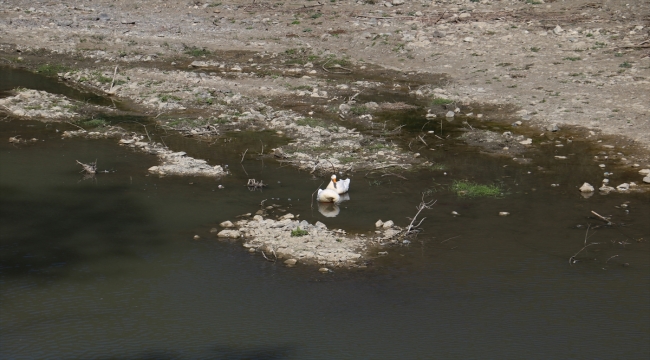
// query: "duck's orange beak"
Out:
[334,180]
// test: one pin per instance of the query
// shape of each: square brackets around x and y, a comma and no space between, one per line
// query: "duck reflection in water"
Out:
[332,209]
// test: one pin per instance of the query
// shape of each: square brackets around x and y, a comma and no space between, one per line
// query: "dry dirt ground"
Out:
[582,63]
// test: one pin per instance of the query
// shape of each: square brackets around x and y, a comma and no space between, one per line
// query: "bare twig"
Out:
[90,168]
[421,139]
[113,82]
[76,125]
[243,155]
[451,238]
[611,257]
[423,205]
[312,194]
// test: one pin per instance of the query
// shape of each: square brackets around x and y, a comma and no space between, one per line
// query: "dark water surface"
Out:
[106,268]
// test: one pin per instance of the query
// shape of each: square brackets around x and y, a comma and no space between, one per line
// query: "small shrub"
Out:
[95,123]
[572,58]
[625,65]
[299,232]
[534,49]
[316,15]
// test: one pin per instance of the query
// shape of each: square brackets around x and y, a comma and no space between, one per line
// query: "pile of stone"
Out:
[39,104]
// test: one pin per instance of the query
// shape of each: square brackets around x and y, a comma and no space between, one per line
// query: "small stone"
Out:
[552,127]
[586,187]
[526,142]
[623,187]
[646,179]
[388,224]
[196,237]
[379,224]
[324,270]
[606,189]
[258,218]
[468,39]
[560,157]
[226,224]
[251,250]
[558,30]
[397,2]
[290,262]
[455,213]
[464,15]
[450,114]
[644,172]
[504,213]
[286,216]
[602,166]
[344,108]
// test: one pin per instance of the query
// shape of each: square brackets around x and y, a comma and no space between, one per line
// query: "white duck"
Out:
[341,187]
[328,196]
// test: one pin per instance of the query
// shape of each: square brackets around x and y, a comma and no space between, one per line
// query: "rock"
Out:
[455,213]
[258,218]
[379,224]
[438,34]
[344,108]
[286,216]
[646,179]
[320,225]
[468,39]
[526,142]
[290,262]
[372,106]
[558,30]
[560,157]
[226,224]
[464,15]
[606,189]
[388,224]
[503,213]
[324,270]
[602,166]
[450,114]
[196,237]
[586,187]
[623,187]
[644,172]
[552,127]
[233,234]
[397,2]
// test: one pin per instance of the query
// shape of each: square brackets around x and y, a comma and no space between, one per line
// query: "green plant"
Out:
[299,232]
[625,65]
[534,49]
[439,167]
[196,52]
[441,101]
[295,22]
[358,110]
[95,123]
[618,54]
[51,70]
[309,121]
[316,15]
[464,188]
[570,58]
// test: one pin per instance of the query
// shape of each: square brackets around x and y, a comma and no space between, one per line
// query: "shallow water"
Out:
[107,268]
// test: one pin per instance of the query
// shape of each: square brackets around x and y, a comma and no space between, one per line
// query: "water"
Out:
[107,268]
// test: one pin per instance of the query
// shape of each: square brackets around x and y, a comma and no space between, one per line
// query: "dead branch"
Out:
[602,218]
[423,205]
[90,168]
[113,82]
[253,184]
[421,139]
[312,194]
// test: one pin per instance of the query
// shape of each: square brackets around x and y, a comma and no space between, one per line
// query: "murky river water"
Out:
[107,267]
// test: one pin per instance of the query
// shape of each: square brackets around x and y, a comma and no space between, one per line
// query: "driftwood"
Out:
[90,168]
[412,228]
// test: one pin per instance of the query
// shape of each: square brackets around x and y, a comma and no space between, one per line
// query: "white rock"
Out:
[558,30]
[623,187]
[468,39]
[586,187]
[455,213]
[450,114]
[644,172]
[290,262]
[606,189]
[388,224]
[233,234]
[379,224]
[226,224]
[286,216]
[503,213]
[646,179]
[397,2]
[324,270]
[526,142]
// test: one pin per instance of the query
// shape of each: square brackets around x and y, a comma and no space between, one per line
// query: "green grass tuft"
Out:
[51,70]
[441,101]
[464,188]
[299,232]
[196,52]
[95,123]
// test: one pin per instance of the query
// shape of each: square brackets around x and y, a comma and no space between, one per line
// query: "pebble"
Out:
[623,187]
[290,262]
[379,224]
[503,213]
[226,224]
[646,179]
[602,165]
[450,114]
[455,213]
[324,270]
[552,127]
[388,224]
[196,237]
[644,172]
